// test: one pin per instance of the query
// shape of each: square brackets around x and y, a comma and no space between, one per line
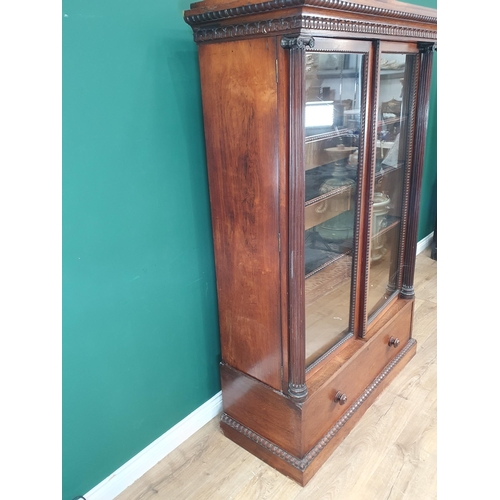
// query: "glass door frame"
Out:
[412,75]
[297,46]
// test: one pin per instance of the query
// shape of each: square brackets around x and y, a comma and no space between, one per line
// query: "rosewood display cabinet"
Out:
[315,115]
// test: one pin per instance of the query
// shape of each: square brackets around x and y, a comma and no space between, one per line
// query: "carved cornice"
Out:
[302,463]
[274,5]
[210,33]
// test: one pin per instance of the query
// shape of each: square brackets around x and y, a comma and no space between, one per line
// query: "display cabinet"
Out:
[315,116]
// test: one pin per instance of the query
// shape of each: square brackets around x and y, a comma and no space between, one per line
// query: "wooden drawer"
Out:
[368,359]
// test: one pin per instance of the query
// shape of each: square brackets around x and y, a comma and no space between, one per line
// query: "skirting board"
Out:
[113,485]
[424,243]
[137,466]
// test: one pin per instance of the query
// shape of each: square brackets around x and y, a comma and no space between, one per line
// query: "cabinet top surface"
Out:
[377,7]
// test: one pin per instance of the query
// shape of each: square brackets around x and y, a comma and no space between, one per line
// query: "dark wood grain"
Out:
[296,383]
[241,129]
[269,413]
[283,72]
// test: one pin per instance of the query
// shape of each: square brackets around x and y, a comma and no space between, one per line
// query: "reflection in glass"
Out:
[392,145]
[332,130]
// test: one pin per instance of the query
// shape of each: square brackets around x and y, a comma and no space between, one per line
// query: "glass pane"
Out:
[392,146]
[332,130]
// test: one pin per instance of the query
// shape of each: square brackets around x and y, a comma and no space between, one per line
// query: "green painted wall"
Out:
[140,327]
[428,210]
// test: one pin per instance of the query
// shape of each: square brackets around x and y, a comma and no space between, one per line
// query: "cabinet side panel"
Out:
[239,92]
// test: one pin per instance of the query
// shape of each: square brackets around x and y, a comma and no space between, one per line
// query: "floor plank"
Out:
[390,455]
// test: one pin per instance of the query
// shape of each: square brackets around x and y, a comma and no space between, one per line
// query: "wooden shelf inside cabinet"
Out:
[390,121]
[339,132]
[336,73]
[329,205]
[392,222]
[325,149]
[385,170]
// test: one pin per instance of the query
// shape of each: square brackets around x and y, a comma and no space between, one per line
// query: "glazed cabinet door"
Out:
[329,101]
[335,97]
[390,174]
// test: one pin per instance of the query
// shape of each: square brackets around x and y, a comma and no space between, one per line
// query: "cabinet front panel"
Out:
[396,101]
[335,94]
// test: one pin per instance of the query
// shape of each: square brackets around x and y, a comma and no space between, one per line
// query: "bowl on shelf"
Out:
[340,152]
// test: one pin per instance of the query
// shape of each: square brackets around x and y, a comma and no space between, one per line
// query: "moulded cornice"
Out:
[304,22]
[274,5]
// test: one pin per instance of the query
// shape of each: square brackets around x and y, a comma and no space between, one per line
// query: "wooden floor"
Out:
[389,455]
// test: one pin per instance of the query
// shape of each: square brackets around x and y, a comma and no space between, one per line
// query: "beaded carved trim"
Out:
[211,33]
[274,5]
[327,353]
[359,196]
[302,463]
[257,438]
[407,178]
[371,189]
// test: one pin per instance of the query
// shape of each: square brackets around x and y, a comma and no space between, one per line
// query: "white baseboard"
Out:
[123,477]
[117,482]
[424,242]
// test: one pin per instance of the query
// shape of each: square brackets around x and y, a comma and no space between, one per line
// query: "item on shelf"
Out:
[391,158]
[347,103]
[338,229]
[339,152]
[386,64]
[380,210]
[392,108]
[340,178]
[352,165]
[311,62]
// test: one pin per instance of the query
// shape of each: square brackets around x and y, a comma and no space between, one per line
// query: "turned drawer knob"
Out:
[340,398]
[393,341]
